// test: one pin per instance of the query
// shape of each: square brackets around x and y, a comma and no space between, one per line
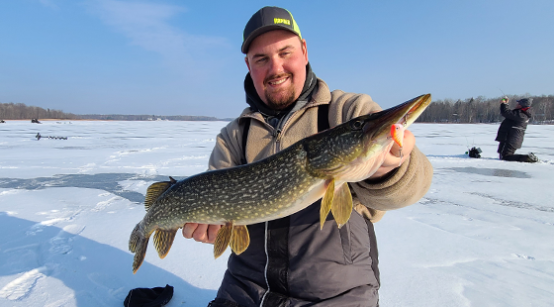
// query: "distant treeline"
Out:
[147,117]
[471,110]
[13,111]
[485,110]
[21,111]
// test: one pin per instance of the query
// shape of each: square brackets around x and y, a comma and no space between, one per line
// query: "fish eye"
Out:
[357,125]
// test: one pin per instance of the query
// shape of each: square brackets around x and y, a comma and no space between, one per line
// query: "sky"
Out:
[171,57]
[481,236]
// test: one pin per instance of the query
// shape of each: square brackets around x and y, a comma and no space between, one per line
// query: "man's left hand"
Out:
[396,156]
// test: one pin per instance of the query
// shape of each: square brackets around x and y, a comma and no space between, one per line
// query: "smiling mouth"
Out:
[278,81]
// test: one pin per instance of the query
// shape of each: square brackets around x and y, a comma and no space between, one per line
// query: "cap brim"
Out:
[260,31]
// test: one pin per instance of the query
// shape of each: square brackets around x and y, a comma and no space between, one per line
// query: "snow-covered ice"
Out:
[482,236]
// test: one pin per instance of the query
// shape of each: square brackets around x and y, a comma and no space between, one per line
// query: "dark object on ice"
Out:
[2,121]
[38,136]
[475,152]
[35,121]
[219,302]
[149,297]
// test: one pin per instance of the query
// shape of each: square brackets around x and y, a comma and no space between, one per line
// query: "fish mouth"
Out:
[404,114]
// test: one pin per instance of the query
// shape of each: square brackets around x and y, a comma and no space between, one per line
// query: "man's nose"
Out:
[276,66]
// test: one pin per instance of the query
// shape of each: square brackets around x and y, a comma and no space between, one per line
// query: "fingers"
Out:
[201,232]
[212,233]
[189,229]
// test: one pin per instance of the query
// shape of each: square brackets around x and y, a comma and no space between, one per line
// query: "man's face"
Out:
[277,63]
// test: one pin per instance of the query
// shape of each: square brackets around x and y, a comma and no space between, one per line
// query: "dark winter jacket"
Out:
[512,128]
[290,261]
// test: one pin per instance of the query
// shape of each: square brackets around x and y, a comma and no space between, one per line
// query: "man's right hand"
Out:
[505,100]
[201,232]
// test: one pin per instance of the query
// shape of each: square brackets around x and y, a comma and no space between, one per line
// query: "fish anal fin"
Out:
[223,239]
[326,203]
[342,205]
[154,191]
[240,239]
[163,239]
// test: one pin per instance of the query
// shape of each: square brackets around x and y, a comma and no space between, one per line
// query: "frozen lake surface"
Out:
[482,236]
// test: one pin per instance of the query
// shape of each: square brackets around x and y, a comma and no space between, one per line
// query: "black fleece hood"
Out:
[257,104]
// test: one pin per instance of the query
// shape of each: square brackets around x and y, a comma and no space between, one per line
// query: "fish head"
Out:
[354,150]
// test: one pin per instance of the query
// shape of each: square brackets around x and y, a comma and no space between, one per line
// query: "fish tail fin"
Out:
[138,244]
[163,239]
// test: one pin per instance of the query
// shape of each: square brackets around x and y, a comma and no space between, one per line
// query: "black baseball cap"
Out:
[268,19]
[525,102]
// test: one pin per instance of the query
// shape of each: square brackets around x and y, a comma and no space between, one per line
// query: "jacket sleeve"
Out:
[402,186]
[228,147]
[514,115]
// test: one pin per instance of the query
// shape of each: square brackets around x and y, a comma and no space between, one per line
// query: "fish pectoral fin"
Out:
[342,205]
[240,239]
[155,190]
[326,202]
[163,239]
[224,236]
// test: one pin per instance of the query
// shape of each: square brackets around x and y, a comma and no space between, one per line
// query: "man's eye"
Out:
[261,61]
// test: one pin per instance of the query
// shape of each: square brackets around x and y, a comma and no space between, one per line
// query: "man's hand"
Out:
[201,232]
[505,100]
[396,156]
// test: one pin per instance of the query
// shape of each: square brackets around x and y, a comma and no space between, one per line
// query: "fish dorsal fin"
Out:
[224,236]
[240,239]
[326,202]
[342,205]
[155,190]
[163,239]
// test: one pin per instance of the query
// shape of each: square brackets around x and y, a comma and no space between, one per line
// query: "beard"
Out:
[280,100]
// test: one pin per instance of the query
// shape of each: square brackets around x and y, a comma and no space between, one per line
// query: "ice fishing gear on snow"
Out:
[474,152]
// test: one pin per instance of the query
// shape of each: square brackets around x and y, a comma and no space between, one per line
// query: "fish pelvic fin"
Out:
[138,244]
[163,239]
[155,190]
[224,236]
[240,239]
[342,205]
[326,203]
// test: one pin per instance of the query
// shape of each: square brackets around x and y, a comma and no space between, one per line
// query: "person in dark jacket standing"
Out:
[512,130]
[292,261]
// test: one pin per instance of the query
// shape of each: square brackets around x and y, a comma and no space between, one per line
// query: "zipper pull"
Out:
[276,134]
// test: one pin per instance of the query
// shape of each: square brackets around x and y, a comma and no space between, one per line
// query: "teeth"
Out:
[278,82]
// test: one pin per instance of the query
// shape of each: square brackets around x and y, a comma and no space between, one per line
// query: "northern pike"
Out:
[319,166]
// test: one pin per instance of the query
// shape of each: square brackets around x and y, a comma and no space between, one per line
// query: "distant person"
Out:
[512,130]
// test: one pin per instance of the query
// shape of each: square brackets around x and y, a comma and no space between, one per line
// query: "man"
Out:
[512,130]
[290,261]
